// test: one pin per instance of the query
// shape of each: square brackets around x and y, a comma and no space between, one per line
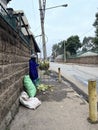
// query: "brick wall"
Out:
[14,57]
[84,60]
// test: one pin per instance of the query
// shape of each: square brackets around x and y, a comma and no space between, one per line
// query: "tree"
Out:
[54,49]
[61,47]
[96,32]
[73,44]
[87,44]
[57,49]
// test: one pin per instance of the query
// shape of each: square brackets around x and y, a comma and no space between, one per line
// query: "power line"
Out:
[87,32]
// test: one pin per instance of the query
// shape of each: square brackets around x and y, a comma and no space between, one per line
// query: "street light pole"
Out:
[38,35]
[42,13]
[64,52]
[64,5]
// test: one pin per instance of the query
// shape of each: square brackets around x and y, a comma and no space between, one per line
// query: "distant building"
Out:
[89,53]
[59,58]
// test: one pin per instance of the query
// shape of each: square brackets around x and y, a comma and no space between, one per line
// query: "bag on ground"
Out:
[31,102]
[29,86]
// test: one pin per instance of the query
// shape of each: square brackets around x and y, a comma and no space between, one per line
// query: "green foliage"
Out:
[44,87]
[54,47]
[87,44]
[96,32]
[84,49]
[70,45]
[96,20]
[73,44]
[47,72]
[7,128]
[44,65]
[57,49]
[96,41]
[86,40]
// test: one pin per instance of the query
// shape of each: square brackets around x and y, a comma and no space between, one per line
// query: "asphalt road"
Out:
[78,74]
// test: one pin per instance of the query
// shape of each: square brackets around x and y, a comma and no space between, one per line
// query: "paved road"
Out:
[78,74]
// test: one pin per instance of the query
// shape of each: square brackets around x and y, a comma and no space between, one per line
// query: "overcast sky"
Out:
[60,23]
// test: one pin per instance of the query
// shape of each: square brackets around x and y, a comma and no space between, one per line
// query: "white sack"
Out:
[31,102]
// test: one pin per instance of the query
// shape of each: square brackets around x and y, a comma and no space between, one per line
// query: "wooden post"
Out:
[92,101]
[59,74]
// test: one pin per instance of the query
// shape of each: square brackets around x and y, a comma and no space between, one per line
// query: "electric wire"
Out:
[87,32]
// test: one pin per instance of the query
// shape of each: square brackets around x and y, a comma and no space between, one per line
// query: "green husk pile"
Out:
[44,65]
[44,87]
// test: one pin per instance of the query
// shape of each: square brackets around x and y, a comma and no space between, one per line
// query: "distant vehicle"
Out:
[52,60]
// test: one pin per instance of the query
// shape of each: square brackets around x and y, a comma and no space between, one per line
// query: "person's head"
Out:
[33,56]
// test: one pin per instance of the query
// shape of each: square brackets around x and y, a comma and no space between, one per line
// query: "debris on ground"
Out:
[44,87]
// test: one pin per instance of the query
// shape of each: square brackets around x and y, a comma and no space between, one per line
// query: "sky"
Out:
[60,23]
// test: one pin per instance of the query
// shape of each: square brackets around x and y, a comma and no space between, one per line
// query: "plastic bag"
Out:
[29,86]
[31,103]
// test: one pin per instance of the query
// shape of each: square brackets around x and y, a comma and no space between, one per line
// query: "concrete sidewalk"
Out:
[61,109]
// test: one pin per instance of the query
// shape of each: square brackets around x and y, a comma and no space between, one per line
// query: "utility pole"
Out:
[65,51]
[42,15]
[42,5]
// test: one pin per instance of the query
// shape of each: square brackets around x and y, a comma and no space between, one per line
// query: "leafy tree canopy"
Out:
[73,44]
[88,44]
[96,32]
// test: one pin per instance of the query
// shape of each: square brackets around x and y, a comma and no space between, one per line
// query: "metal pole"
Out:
[59,74]
[43,31]
[64,52]
[64,5]
[92,101]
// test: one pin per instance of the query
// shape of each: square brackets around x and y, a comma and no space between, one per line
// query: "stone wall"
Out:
[14,57]
[84,60]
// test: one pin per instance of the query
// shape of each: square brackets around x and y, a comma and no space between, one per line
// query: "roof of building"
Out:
[35,44]
[89,53]
[16,12]
[59,57]
[26,29]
